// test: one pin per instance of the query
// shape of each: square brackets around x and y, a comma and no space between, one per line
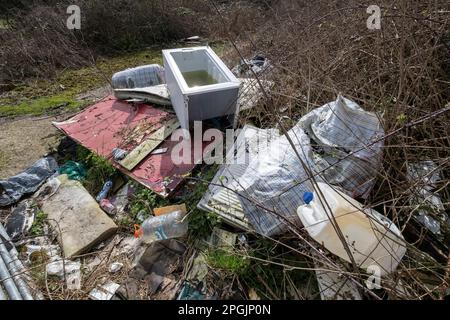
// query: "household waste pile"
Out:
[333,153]
[339,143]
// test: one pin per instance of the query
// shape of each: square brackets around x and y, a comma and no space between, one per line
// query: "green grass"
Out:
[4,24]
[38,96]
[99,169]
[40,106]
[37,228]
[228,261]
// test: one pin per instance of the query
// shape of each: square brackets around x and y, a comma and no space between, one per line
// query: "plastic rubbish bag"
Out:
[258,64]
[21,219]
[338,142]
[28,181]
[74,170]
[346,143]
[139,77]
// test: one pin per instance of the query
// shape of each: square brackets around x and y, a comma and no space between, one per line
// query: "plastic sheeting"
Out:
[158,94]
[221,197]
[338,142]
[139,77]
[257,63]
[345,145]
[273,184]
[430,211]
[28,181]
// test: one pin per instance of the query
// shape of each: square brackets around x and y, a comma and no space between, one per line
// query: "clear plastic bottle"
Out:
[167,226]
[104,192]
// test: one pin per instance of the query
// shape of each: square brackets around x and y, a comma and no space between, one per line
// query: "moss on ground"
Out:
[39,96]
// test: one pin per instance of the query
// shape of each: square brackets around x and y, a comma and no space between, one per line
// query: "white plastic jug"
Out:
[372,238]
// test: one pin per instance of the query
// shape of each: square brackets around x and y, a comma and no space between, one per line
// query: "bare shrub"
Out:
[37,41]
[322,48]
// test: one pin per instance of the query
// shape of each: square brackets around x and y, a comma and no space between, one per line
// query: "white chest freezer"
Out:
[200,84]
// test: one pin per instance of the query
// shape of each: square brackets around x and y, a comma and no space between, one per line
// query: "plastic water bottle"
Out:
[372,238]
[167,226]
[104,192]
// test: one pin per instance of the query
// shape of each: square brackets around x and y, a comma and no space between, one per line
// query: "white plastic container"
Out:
[200,84]
[372,238]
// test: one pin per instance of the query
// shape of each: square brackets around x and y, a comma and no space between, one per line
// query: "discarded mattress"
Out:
[26,182]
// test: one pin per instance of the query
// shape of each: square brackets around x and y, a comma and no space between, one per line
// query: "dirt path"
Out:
[24,141]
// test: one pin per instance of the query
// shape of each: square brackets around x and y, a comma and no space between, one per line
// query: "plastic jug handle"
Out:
[307,214]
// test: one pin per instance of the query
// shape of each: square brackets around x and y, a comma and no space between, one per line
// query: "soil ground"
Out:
[26,139]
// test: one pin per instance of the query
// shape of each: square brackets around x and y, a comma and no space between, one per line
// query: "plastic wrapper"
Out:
[26,182]
[338,142]
[139,77]
[430,210]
